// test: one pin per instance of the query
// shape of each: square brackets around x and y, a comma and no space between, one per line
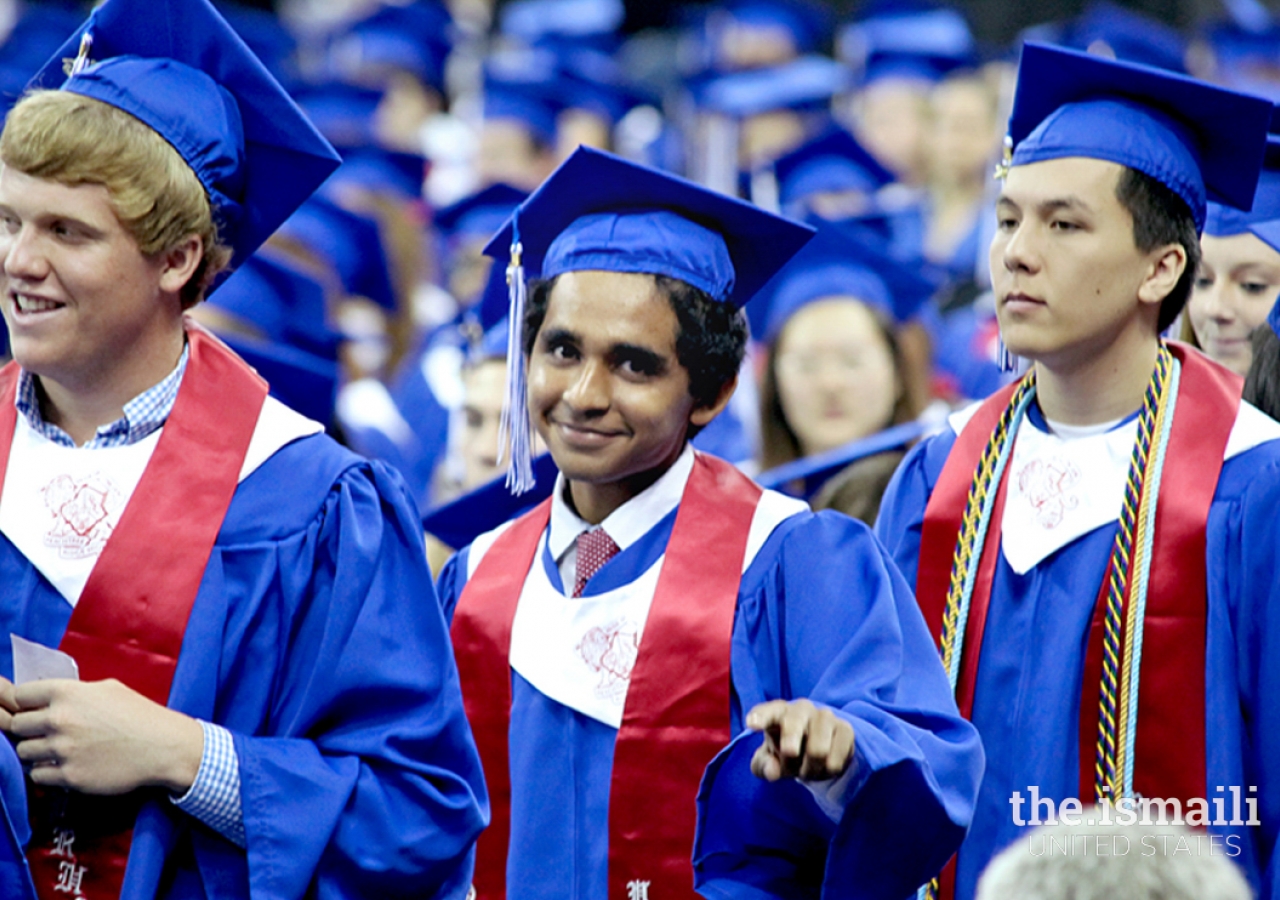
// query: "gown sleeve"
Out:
[824,614]
[335,676]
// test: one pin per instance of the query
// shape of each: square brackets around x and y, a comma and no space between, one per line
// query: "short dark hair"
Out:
[1161,217]
[711,337]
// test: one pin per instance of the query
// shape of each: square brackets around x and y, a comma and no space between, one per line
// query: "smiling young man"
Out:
[659,605]
[264,707]
[1094,547]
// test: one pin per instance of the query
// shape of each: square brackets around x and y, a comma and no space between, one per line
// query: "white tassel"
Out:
[515,431]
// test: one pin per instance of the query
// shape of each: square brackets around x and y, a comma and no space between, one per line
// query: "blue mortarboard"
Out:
[808,82]
[382,170]
[599,211]
[536,21]
[840,262]
[812,471]
[834,161]
[342,112]
[481,213]
[347,241]
[297,379]
[520,82]
[181,69]
[908,40]
[1201,141]
[266,36]
[809,24]
[463,519]
[287,305]
[593,80]
[413,38]
[1224,221]
[1130,35]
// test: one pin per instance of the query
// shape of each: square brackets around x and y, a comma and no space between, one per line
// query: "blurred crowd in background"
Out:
[375,311]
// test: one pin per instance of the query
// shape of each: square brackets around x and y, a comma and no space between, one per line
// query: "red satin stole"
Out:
[1169,749]
[676,716]
[132,615]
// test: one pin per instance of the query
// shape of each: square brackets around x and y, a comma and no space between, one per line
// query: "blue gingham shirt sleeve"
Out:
[214,797]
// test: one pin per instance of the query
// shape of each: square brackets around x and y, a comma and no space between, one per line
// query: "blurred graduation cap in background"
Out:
[1108,29]
[833,162]
[582,23]
[413,38]
[913,40]
[811,472]
[463,519]
[280,303]
[348,242]
[841,263]
[1225,221]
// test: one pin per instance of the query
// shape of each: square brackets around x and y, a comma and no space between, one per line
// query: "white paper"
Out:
[33,662]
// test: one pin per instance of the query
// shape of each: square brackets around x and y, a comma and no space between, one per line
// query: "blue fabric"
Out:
[15,832]
[1029,680]
[316,641]
[142,415]
[801,630]
[1224,221]
[180,68]
[1200,140]
[657,242]
[592,181]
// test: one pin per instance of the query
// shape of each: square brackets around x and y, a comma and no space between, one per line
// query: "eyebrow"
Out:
[1053,204]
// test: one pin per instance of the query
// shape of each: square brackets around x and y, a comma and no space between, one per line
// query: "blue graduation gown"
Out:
[316,639]
[1029,679]
[821,614]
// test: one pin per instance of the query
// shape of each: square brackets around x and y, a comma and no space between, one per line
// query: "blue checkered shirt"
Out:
[142,415]
[214,797]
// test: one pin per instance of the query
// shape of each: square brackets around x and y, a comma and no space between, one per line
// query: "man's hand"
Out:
[800,741]
[8,704]
[101,737]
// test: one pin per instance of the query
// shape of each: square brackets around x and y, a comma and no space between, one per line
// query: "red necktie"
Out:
[595,548]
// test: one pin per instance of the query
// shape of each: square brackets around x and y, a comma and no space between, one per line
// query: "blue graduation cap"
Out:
[806,83]
[809,24]
[342,112]
[812,471]
[299,380]
[833,161]
[347,241]
[840,262]
[266,36]
[1224,221]
[1201,141]
[410,37]
[284,303]
[493,344]
[907,40]
[578,21]
[1130,35]
[181,69]
[382,170]
[481,213]
[463,519]
[599,211]
[520,84]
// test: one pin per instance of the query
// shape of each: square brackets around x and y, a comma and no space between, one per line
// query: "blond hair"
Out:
[73,140]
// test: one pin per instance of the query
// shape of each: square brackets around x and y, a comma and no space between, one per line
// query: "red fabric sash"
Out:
[1169,747]
[668,735]
[132,615]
